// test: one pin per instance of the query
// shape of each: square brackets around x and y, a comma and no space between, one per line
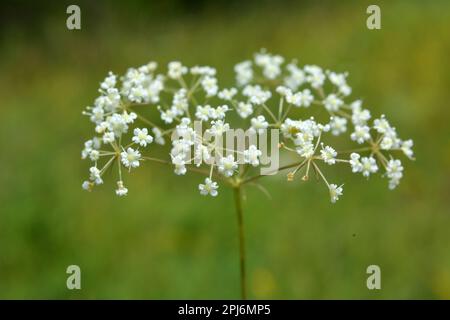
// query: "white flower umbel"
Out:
[267,94]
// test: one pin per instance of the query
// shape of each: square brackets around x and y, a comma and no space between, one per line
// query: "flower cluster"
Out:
[143,108]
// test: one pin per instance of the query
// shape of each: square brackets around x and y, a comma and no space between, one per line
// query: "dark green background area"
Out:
[166,241]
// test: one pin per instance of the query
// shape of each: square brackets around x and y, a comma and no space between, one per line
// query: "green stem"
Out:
[238,203]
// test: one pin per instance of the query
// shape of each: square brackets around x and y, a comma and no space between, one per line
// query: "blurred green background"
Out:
[166,241]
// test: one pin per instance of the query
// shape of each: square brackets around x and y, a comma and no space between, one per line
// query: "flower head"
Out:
[227,166]
[369,165]
[251,155]
[121,190]
[209,187]
[335,192]
[328,155]
[142,137]
[130,158]
[267,94]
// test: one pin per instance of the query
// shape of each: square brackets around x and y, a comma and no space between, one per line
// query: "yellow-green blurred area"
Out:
[164,240]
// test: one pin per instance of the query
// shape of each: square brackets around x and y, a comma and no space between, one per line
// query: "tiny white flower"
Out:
[259,124]
[178,161]
[227,94]
[88,146]
[142,137]
[369,165]
[210,187]
[227,166]
[244,72]
[356,105]
[338,125]
[109,82]
[338,79]
[360,116]
[346,90]
[97,114]
[203,71]
[111,100]
[244,109]
[256,94]
[332,103]
[290,128]
[300,99]
[218,127]
[251,155]
[203,112]
[209,84]
[95,175]
[328,155]
[335,192]
[87,185]
[180,101]
[306,98]
[361,134]
[296,77]
[386,143]
[283,91]
[102,127]
[108,137]
[315,75]
[117,124]
[381,125]
[219,112]
[158,136]
[138,94]
[394,171]
[121,190]
[305,149]
[94,155]
[355,163]
[270,63]
[176,70]
[406,147]
[130,158]
[170,114]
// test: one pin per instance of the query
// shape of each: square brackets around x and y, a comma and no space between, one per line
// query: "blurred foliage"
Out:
[166,241]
